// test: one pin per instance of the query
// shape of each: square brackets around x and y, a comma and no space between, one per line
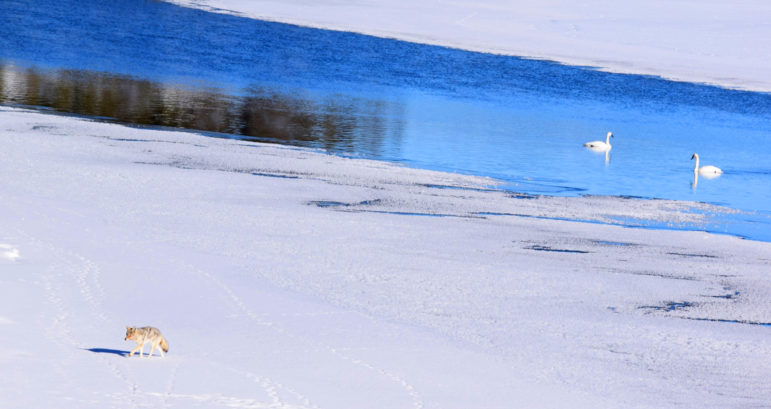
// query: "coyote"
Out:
[145,335]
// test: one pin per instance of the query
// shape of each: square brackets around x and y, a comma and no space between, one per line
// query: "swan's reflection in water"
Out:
[706,175]
[605,151]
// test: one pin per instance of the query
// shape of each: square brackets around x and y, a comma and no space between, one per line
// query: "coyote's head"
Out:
[130,333]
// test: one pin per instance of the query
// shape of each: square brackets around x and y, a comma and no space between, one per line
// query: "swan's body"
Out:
[706,171]
[600,145]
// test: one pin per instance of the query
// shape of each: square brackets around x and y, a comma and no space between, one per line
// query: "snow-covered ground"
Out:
[287,278]
[713,41]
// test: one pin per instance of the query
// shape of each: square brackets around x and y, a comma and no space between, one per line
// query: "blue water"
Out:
[519,120]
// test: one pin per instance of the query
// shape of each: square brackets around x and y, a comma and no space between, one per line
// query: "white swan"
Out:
[600,145]
[708,171]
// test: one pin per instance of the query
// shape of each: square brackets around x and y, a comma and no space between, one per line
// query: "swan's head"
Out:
[610,134]
[695,155]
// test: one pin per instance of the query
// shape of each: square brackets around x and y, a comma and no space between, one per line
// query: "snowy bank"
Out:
[287,278]
[715,42]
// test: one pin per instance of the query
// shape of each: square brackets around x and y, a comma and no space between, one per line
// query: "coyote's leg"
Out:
[153,345]
[157,344]
[138,348]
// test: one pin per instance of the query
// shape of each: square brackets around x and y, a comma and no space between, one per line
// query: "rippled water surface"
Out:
[519,120]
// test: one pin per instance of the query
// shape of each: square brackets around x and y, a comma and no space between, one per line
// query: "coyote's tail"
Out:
[164,345]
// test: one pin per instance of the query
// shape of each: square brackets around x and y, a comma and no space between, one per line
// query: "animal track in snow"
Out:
[219,400]
[72,282]
[271,387]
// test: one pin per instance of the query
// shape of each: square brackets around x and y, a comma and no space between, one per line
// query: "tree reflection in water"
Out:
[336,122]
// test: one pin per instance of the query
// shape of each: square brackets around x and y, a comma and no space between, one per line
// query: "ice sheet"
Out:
[288,278]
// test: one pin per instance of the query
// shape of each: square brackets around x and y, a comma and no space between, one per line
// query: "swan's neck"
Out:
[696,167]
[607,139]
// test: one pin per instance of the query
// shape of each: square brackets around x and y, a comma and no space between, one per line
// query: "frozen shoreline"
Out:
[710,42]
[288,278]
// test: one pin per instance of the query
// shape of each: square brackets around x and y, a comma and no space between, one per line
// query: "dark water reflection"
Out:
[335,122]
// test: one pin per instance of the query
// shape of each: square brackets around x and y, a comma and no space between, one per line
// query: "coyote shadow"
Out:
[107,351]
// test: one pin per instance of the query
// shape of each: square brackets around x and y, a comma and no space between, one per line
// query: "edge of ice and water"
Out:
[712,43]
